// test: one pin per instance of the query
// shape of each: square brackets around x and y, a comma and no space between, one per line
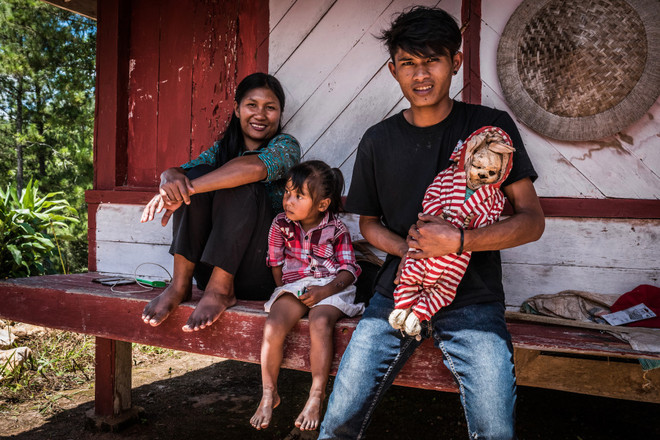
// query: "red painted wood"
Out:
[74,303]
[111,88]
[104,383]
[143,94]
[123,197]
[471,19]
[215,29]
[253,29]
[597,208]
[605,208]
[175,84]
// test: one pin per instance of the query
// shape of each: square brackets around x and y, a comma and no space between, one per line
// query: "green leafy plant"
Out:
[31,228]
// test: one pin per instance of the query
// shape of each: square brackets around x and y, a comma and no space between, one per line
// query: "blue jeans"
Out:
[476,347]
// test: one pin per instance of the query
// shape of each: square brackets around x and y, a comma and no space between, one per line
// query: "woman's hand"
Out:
[175,186]
[156,206]
[315,294]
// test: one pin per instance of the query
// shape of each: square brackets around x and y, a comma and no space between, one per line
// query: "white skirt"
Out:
[342,300]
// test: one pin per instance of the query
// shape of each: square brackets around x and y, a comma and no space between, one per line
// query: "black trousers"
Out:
[227,228]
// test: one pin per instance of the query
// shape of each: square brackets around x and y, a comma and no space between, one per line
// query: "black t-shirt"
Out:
[397,161]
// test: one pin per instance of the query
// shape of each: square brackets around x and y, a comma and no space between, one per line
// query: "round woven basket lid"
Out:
[581,70]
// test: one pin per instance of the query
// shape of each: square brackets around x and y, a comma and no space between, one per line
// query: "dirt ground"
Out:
[189,396]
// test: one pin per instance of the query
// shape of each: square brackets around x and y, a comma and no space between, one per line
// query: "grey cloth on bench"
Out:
[575,304]
[570,304]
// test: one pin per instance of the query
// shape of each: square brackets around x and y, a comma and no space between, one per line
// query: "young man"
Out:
[397,159]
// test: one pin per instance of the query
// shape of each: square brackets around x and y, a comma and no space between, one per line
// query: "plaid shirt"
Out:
[321,252]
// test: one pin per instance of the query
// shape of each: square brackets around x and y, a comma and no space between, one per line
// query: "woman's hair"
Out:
[322,182]
[423,32]
[232,143]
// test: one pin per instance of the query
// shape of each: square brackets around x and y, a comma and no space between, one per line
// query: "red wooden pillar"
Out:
[471,25]
[113,408]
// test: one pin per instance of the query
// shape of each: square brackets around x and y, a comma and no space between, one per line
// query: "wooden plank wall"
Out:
[335,73]
[335,76]
[183,68]
[347,88]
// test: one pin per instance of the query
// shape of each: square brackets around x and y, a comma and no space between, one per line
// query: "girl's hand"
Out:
[315,294]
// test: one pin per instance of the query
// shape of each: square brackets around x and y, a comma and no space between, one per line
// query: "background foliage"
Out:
[47,62]
[33,230]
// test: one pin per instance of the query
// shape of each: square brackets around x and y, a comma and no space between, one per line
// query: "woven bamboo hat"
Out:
[581,70]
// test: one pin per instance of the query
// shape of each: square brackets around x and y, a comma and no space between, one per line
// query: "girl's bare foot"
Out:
[208,310]
[160,307]
[310,417]
[269,401]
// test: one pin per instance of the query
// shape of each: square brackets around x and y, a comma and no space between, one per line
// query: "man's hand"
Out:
[175,186]
[156,206]
[432,236]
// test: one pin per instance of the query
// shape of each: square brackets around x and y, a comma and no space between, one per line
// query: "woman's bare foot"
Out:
[269,401]
[310,417]
[161,306]
[208,310]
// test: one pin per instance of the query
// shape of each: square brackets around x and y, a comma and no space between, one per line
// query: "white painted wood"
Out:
[120,222]
[522,281]
[277,9]
[612,168]
[604,243]
[643,140]
[124,258]
[372,104]
[293,28]
[345,81]
[329,42]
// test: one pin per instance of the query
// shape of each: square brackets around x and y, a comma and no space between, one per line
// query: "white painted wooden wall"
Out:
[337,83]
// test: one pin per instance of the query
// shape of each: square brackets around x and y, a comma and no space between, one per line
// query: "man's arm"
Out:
[435,237]
[382,238]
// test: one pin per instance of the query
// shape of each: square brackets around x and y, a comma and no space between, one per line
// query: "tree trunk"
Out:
[39,119]
[19,131]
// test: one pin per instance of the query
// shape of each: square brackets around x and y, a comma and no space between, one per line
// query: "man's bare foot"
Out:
[310,417]
[269,401]
[208,310]
[161,306]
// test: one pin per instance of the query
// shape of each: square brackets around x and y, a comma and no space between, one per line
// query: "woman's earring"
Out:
[455,72]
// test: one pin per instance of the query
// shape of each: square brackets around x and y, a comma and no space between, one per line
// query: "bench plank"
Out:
[75,303]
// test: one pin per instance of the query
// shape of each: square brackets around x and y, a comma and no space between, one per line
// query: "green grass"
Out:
[60,361]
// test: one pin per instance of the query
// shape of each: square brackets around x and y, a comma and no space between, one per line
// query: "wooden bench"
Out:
[547,356]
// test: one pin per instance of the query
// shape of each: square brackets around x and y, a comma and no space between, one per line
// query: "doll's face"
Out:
[486,167]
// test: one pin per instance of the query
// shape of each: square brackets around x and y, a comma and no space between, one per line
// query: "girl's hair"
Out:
[232,143]
[322,182]
[423,32]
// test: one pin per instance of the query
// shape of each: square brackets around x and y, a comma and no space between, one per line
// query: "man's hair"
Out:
[423,32]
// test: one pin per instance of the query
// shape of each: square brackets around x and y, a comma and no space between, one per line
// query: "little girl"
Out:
[312,259]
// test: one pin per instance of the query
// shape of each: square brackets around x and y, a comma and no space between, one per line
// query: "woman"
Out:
[223,203]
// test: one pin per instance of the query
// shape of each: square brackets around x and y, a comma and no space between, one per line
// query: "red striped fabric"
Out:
[429,284]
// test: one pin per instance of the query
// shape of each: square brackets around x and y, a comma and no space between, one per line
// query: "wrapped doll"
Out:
[467,194]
